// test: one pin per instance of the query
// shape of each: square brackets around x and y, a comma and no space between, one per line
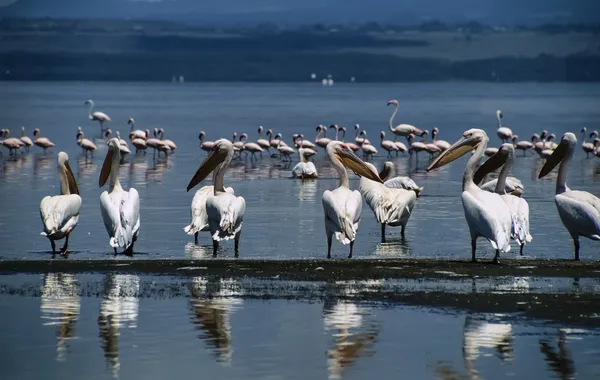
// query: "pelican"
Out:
[343,206]
[263,143]
[42,142]
[406,183]
[198,211]
[60,213]
[391,206]
[120,209]
[304,169]
[512,186]
[100,117]
[588,147]
[522,145]
[137,133]
[169,143]
[25,139]
[322,141]
[519,208]
[225,211]
[84,143]
[205,145]
[442,144]
[578,210]
[503,133]
[486,213]
[401,129]
[388,145]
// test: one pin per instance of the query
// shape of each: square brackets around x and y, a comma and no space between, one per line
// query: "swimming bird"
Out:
[98,116]
[304,169]
[503,133]
[391,206]
[120,208]
[25,139]
[85,144]
[579,211]
[399,182]
[225,211]
[137,133]
[205,145]
[519,208]
[486,213]
[401,129]
[342,206]
[42,142]
[60,213]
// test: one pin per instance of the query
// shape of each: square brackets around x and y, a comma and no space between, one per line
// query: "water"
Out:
[284,217]
[138,327]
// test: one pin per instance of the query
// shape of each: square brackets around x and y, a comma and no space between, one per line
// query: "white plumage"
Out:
[198,211]
[304,169]
[399,182]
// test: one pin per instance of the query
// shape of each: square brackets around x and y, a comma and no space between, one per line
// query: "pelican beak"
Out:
[553,160]
[516,193]
[492,163]
[73,188]
[457,150]
[352,162]
[106,167]
[206,167]
[418,191]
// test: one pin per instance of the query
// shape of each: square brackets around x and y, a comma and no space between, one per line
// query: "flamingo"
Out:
[169,143]
[60,213]
[357,139]
[100,117]
[588,147]
[430,148]
[153,143]
[415,146]
[284,150]
[388,145]
[252,147]
[25,139]
[322,141]
[205,145]
[579,211]
[124,148]
[401,129]
[263,143]
[352,146]
[85,144]
[120,208]
[224,210]
[503,133]
[522,145]
[342,206]
[137,133]
[139,144]
[442,144]
[42,142]
[13,144]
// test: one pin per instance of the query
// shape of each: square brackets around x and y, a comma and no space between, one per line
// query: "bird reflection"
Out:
[60,305]
[307,191]
[41,164]
[118,309]
[196,252]
[158,169]
[211,306]
[479,334]
[86,166]
[138,167]
[393,248]
[560,362]
[353,338]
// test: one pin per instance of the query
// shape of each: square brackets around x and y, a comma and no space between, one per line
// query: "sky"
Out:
[494,12]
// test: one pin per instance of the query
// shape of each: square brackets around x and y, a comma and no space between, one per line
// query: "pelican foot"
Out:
[496,261]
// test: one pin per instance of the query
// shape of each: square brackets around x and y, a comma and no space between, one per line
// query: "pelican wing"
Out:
[391,206]
[510,185]
[304,169]
[405,183]
[342,213]
[225,215]
[519,211]
[121,215]
[488,216]
[60,213]
[198,210]
[580,213]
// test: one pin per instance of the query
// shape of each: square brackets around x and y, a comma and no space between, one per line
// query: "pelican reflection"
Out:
[60,304]
[353,337]
[118,309]
[85,166]
[560,362]
[212,302]
[479,335]
[307,191]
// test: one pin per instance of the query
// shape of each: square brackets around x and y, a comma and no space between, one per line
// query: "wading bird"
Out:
[263,143]
[60,213]
[401,129]
[120,208]
[85,144]
[42,142]
[25,139]
[224,210]
[406,183]
[343,206]
[135,133]
[304,169]
[98,116]
[503,133]
[579,211]
[442,144]
[486,213]
[205,145]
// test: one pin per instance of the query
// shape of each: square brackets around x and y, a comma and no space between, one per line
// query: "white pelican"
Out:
[205,145]
[322,141]
[120,209]
[169,143]
[304,169]
[519,208]
[486,213]
[263,143]
[100,117]
[401,129]
[85,144]
[578,210]
[388,145]
[137,133]
[503,133]
[588,147]
[406,183]
[198,211]
[25,139]
[391,206]
[343,206]
[512,186]
[42,142]
[442,144]
[60,213]
[522,145]
[225,211]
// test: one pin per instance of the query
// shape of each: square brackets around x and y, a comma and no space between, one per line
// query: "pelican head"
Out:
[130,121]
[386,170]
[221,150]
[469,142]
[494,162]
[63,164]
[342,152]
[393,101]
[564,148]
[112,154]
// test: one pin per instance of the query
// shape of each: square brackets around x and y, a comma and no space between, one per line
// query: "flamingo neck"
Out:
[113,182]
[318,134]
[343,135]
[90,111]
[337,133]
[219,173]
[337,164]
[561,179]
[499,121]
[472,165]
[501,184]
[132,126]
[64,185]
[201,139]
[260,133]
[22,132]
[392,118]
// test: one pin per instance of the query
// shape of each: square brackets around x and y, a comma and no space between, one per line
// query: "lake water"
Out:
[284,217]
[138,327]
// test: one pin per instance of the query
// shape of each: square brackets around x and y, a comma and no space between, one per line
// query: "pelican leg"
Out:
[129,250]
[383,232]
[237,243]
[53,245]
[351,247]
[116,251]
[576,244]
[65,249]
[521,249]
[402,230]
[496,257]
[196,238]
[473,249]
[329,246]
[215,247]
